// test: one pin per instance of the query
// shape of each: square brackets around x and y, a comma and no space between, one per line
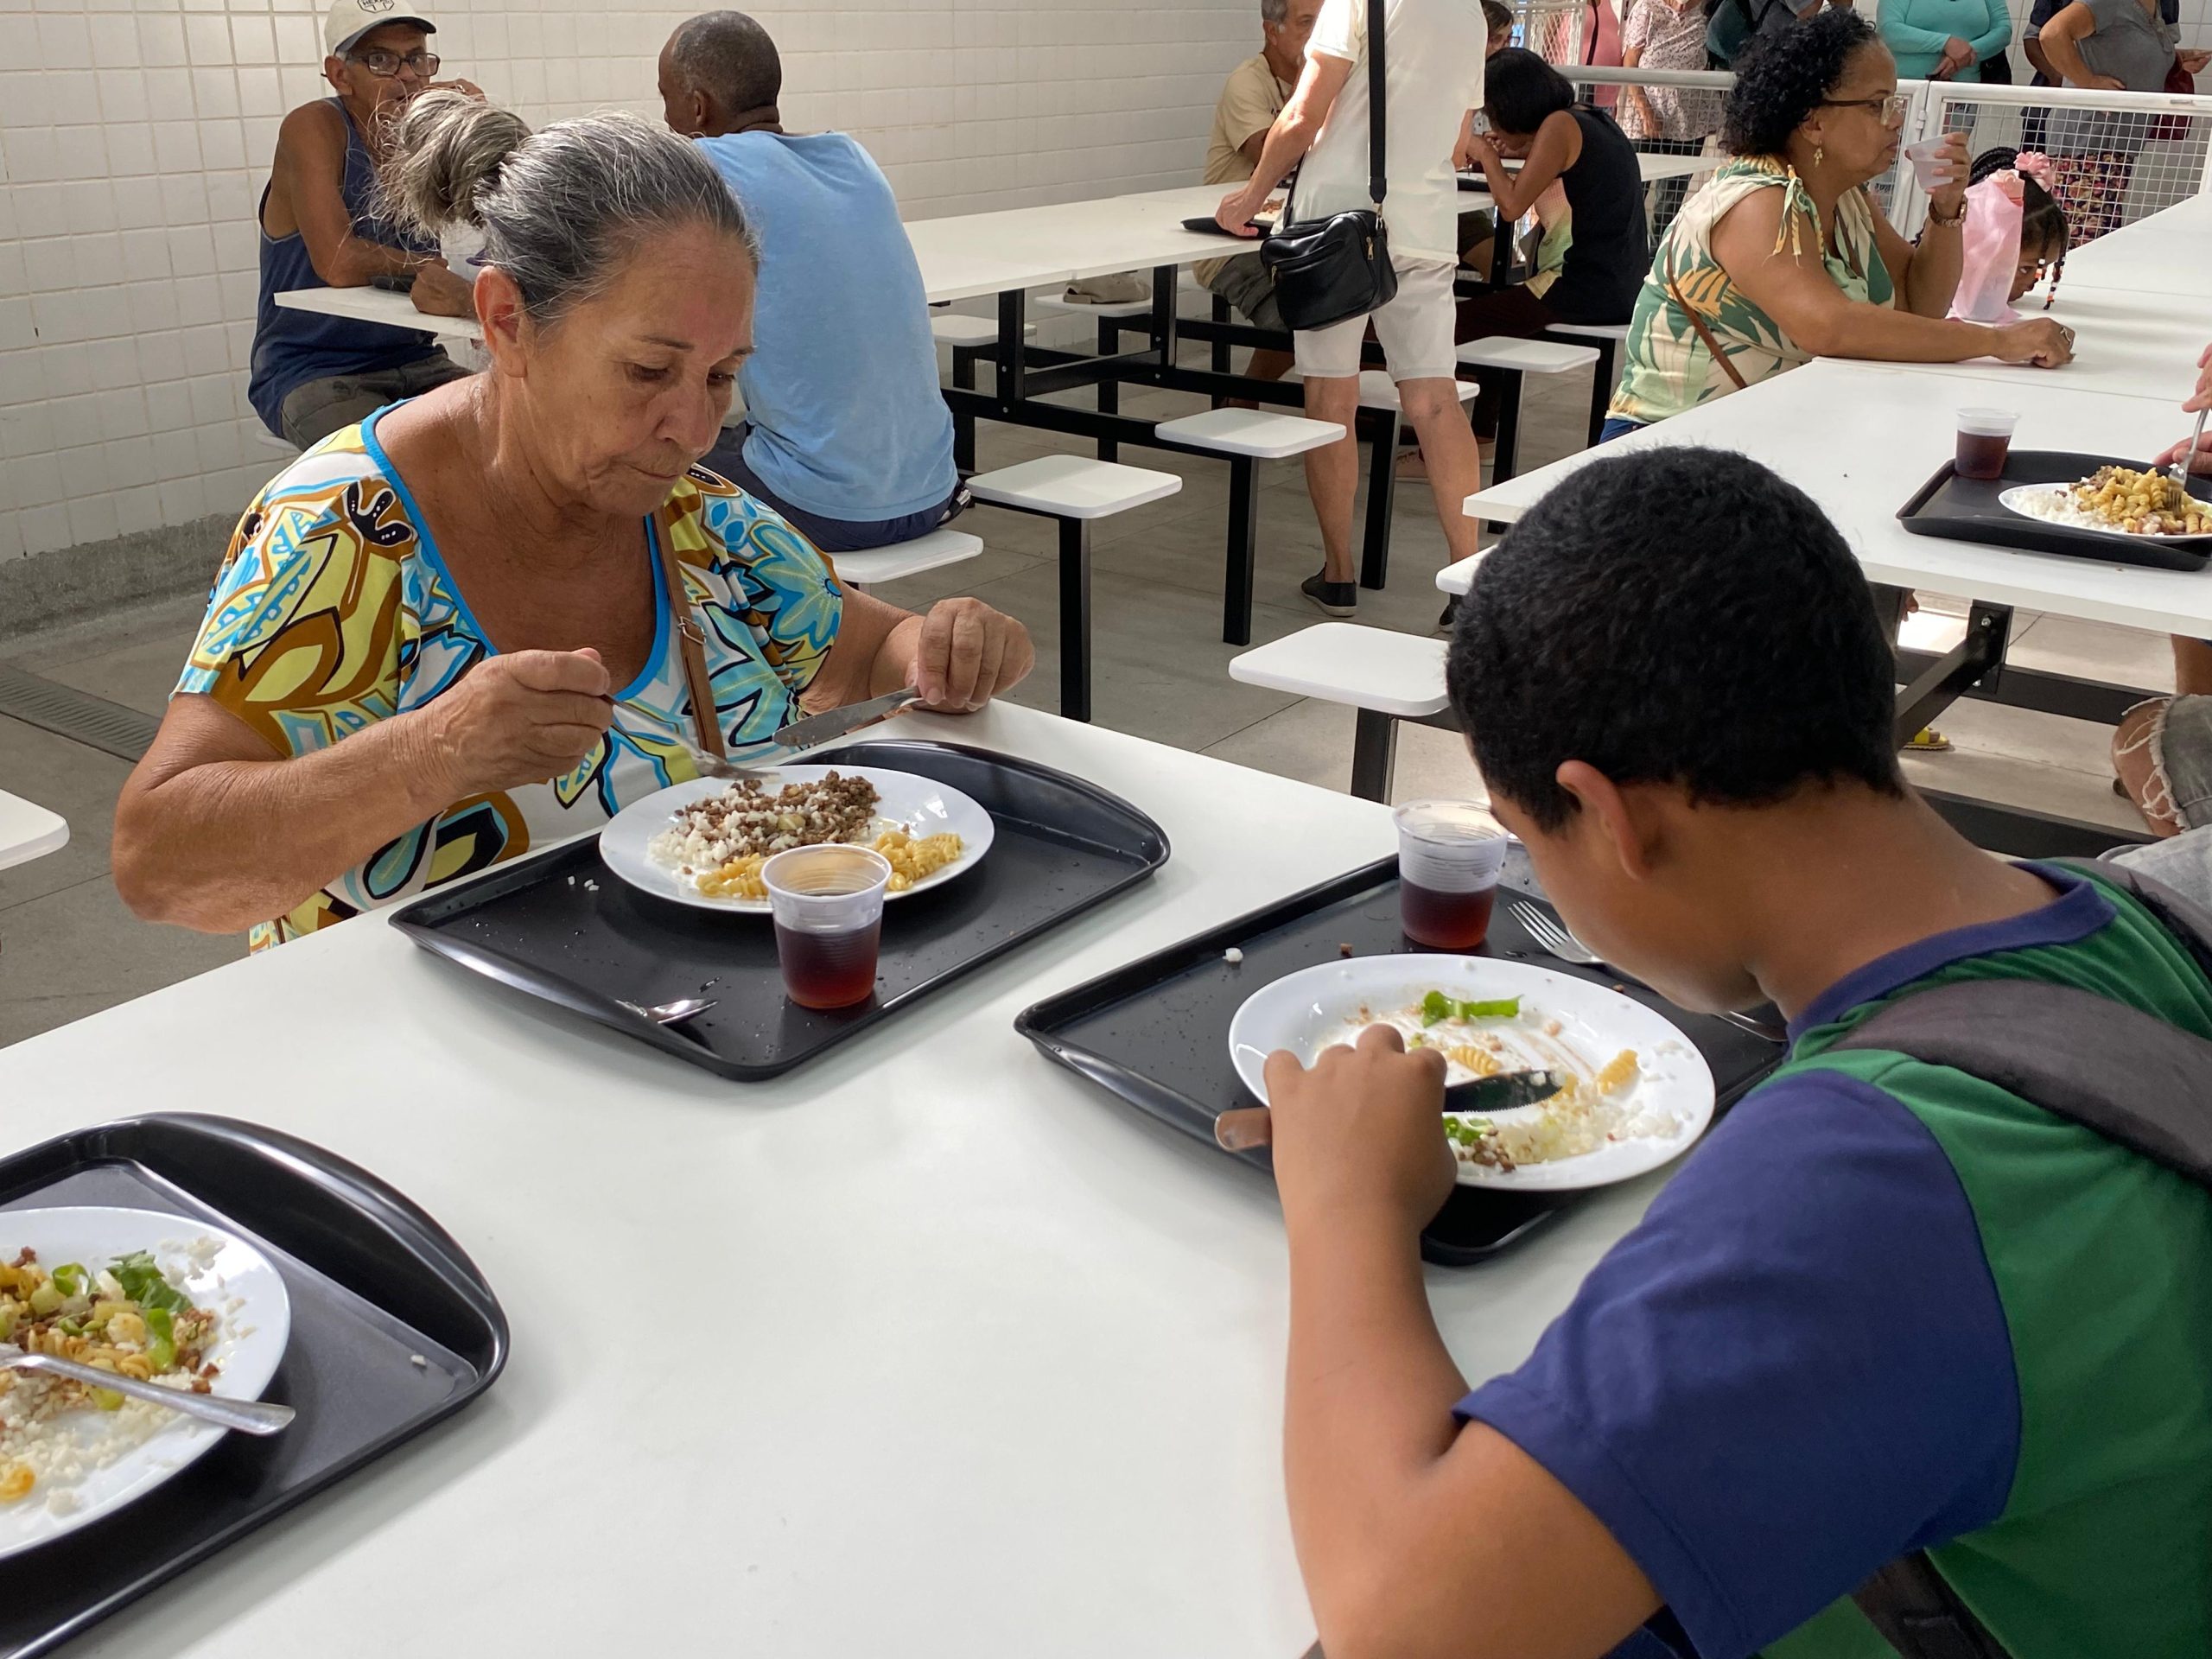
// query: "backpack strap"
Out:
[1920,1615]
[2179,914]
[2130,1076]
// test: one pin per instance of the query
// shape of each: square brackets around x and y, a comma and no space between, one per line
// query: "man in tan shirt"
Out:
[1257,91]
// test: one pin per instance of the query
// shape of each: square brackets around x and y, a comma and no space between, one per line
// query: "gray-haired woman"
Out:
[476,622]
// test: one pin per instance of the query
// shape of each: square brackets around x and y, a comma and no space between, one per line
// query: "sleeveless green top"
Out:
[1668,367]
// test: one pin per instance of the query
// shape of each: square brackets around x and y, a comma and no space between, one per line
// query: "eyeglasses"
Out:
[1891,106]
[378,61]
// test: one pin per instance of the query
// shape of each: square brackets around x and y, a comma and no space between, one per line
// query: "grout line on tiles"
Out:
[105,873]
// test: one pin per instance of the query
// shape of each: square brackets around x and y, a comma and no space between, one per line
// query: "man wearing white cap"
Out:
[312,373]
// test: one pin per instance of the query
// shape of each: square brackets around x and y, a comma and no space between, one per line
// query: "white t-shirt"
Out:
[1433,75]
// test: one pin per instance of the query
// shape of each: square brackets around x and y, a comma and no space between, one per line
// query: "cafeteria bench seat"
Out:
[1608,338]
[1075,492]
[1385,676]
[1247,437]
[865,567]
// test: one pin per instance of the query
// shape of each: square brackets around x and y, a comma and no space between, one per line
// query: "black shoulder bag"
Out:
[1328,270]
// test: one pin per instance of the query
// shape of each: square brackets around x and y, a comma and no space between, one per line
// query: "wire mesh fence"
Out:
[1553,30]
[2116,158]
[2109,167]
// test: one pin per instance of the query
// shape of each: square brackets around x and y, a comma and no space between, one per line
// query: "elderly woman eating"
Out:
[1782,256]
[492,616]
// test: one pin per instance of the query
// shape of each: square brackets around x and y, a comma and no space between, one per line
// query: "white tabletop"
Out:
[1861,438]
[1653,165]
[2168,261]
[936,1350]
[961,256]
[379,305]
[29,831]
[1069,240]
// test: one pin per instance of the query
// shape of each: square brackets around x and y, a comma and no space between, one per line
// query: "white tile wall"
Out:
[134,139]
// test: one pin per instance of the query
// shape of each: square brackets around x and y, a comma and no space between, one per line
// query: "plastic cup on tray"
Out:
[828,904]
[1449,856]
[1985,442]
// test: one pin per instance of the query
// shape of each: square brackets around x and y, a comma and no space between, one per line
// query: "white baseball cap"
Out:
[348,19]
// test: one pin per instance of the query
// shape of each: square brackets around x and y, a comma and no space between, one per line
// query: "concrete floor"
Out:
[69,947]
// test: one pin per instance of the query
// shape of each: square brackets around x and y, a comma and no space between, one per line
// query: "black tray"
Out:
[1156,1031]
[1966,509]
[374,1282]
[564,927]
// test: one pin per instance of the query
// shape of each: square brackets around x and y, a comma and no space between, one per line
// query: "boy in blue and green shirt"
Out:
[1884,1307]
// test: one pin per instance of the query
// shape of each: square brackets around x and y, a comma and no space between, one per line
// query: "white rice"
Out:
[2057,505]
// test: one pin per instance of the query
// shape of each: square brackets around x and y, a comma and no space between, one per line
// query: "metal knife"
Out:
[1503,1092]
[817,729]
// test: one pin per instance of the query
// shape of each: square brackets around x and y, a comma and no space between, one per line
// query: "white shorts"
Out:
[1415,331]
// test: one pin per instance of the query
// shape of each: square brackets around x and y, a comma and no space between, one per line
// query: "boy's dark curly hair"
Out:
[1782,78]
[1677,616]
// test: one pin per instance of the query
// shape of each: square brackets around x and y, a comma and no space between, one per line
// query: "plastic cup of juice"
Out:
[1449,856]
[827,904]
[1985,442]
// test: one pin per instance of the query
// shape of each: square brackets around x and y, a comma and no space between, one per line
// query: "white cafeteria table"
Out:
[1860,439]
[929,1349]
[28,830]
[966,255]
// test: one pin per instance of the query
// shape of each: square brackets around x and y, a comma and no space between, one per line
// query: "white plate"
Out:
[922,804]
[249,1342]
[2015,501]
[1318,1008]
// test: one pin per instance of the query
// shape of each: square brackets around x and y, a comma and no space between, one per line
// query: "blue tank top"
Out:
[291,347]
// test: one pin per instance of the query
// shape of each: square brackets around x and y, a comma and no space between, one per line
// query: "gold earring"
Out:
[1818,155]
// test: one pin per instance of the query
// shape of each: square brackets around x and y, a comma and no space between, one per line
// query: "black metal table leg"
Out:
[1601,386]
[1243,550]
[1381,491]
[1075,617]
[1374,754]
[1975,660]
[1013,324]
[1508,430]
[1221,363]
[1109,390]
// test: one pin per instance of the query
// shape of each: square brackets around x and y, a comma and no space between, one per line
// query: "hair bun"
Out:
[447,151]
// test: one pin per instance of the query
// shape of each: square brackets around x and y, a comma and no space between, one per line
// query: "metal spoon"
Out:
[670,1013]
[249,1416]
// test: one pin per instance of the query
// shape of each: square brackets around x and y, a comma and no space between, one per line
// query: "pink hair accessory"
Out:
[2035,164]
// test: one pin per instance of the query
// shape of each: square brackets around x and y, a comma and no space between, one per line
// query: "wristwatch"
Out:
[1959,218]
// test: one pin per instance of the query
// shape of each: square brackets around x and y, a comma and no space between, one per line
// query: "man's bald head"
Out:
[719,73]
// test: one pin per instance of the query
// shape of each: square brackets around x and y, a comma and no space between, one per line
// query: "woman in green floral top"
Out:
[1783,257]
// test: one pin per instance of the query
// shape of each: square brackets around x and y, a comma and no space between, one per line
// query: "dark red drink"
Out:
[1981,454]
[828,971]
[1446,921]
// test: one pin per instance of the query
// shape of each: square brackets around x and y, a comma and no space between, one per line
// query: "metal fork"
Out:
[728,772]
[2177,471]
[251,1416]
[1552,938]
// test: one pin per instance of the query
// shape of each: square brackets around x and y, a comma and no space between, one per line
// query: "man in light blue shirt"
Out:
[845,432]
